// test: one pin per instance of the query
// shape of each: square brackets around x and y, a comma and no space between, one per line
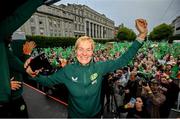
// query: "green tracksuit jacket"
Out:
[17,49]
[7,27]
[84,82]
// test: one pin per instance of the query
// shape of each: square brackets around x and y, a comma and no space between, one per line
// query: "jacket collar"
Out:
[81,65]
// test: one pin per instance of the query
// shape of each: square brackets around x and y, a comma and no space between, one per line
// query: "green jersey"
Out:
[84,82]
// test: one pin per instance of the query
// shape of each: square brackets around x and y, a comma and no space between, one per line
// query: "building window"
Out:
[59,25]
[40,22]
[83,27]
[79,27]
[33,30]
[41,31]
[75,26]
[32,20]
[178,28]
[50,23]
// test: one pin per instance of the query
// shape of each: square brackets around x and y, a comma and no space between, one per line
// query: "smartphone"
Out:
[39,61]
[133,101]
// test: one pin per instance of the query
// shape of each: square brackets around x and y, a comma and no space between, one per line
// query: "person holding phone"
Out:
[136,108]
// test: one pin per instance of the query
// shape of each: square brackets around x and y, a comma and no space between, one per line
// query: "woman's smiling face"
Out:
[84,52]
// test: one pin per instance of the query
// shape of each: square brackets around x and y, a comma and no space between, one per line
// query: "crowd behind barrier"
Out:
[152,78]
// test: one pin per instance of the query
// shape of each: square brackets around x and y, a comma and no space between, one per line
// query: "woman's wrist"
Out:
[126,106]
[149,92]
[142,36]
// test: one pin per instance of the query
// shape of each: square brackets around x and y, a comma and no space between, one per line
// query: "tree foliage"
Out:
[161,32]
[125,33]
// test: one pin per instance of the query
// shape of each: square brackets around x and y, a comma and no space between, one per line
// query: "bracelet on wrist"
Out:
[125,106]
[142,36]
[149,92]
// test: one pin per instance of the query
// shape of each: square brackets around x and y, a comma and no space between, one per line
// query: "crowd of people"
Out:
[153,80]
[84,86]
[148,87]
[157,84]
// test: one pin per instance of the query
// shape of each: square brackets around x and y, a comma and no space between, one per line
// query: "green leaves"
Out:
[125,33]
[161,32]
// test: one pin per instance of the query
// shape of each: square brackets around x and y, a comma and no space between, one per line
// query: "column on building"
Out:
[92,31]
[63,27]
[102,32]
[97,31]
[36,24]
[105,32]
[108,33]
[86,25]
[47,26]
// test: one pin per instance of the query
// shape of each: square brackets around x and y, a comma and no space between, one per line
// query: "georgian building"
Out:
[98,25]
[176,26]
[91,23]
[78,18]
[50,21]
[69,20]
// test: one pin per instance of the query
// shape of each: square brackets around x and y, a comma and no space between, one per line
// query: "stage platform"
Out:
[41,105]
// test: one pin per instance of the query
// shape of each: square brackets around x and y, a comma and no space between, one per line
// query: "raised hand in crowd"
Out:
[147,88]
[27,50]
[141,26]
[28,47]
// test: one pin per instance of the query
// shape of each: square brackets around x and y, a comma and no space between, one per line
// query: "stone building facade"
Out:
[69,20]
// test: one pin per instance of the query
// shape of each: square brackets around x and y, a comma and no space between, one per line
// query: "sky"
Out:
[126,11]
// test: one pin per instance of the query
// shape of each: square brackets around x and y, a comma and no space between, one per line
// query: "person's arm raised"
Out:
[141,26]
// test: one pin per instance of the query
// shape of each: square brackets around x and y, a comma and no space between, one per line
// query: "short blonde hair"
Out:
[84,38]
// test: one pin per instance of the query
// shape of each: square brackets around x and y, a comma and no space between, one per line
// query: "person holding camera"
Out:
[84,77]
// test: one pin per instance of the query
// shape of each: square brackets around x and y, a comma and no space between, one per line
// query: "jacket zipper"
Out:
[85,90]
